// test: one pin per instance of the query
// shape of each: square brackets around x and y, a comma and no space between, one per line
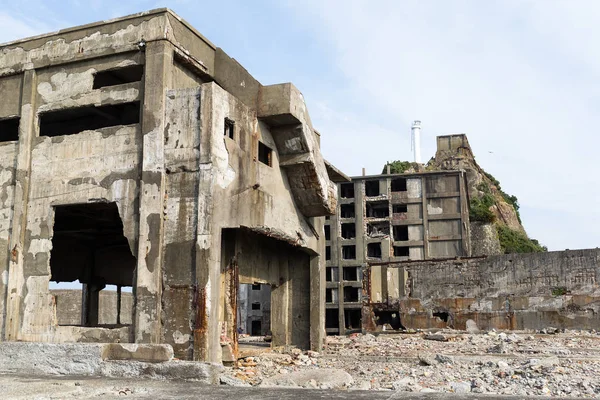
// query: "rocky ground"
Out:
[547,363]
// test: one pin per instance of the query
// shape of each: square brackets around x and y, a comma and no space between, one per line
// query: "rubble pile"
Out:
[548,362]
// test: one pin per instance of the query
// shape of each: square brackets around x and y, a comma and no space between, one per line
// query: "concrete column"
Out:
[317,290]
[16,280]
[157,78]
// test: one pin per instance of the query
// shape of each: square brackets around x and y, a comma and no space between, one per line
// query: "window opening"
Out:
[400,233]
[352,319]
[399,185]
[256,286]
[327,253]
[371,188]
[347,210]
[256,306]
[119,76]
[378,209]
[379,229]
[331,274]
[349,252]
[265,154]
[229,128]
[348,231]
[399,208]
[9,129]
[347,190]
[327,229]
[388,319]
[401,251]
[351,294]
[331,295]
[76,120]
[88,246]
[350,273]
[374,250]
[332,318]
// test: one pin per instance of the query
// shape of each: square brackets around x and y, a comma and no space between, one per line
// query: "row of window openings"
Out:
[374,210]
[76,120]
[372,188]
[373,251]
[351,295]
[352,318]
[400,232]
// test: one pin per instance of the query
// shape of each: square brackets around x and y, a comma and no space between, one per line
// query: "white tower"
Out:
[416,140]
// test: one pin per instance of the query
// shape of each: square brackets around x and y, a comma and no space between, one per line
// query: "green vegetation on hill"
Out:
[512,241]
[479,208]
[510,199]
[397,167]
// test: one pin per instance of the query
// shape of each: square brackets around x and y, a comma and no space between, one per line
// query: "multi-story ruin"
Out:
[136,153]
[384,220]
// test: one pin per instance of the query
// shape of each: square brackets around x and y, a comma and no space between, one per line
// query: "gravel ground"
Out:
[547,363]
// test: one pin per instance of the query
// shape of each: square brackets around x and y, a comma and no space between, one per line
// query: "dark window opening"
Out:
[400,233]
[350,273]
[331,274]
[331,295]
[401,251]
[347,210]
[88,246]
[229,128]
[332,319]
[9,129]
[374,250]
[351,294]
[371,188]
[349,252]
[443,315]
[327,218]
[265,154]
[399,208]
[348,231]
[352,319]
[327,229]
[389,319]
[112,77]
[379,209]
[256,306]
[256,328]
[399,185]
[347,190]
[327,253]
[76,120]
[256,286]
[378,229]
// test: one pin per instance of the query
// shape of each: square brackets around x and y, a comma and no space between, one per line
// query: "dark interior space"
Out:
[348,231]
[76,120]
[399,185]
[349,252]
[351,294]
[327,229]
[400,233]
[371,188]
[118,76]
[378,229]
[347,190]
[332,318]
[347,210]
[350,274]
[374,250]
[88,245]
[399,208]
[352,319]
[401,251]
[443,315]
[229,128]
[390,318]
[378,209]
[331,274]
[327,253]
[9,129]
[331,295]
[256,328]
[265,154]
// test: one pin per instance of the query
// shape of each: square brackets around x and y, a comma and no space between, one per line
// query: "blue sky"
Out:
[519,77]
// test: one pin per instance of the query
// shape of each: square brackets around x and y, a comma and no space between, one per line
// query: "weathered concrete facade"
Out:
[136,153]
[513,291]
[381,221]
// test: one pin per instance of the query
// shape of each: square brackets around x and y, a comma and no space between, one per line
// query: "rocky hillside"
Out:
[495,222]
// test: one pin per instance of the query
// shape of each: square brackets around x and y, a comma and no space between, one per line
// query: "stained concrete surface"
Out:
[21,387]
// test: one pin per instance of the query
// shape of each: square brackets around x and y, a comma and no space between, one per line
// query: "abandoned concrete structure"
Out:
[136,153]
[383,220]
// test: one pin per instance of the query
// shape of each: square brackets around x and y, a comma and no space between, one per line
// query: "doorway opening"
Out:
[254,310]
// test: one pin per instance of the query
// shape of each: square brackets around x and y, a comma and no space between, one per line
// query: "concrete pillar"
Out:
[317,290]
[16,279]
[157,78]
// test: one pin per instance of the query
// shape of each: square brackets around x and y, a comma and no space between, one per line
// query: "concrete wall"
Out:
[514,291]
[68,307]
[177,181]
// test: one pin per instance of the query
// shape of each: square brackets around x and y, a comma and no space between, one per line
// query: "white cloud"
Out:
[520,78]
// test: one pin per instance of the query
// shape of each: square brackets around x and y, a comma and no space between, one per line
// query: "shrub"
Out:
[397,167]
[512,241]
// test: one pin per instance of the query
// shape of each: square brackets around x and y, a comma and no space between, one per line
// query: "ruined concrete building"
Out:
[136,153]
[384,220]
